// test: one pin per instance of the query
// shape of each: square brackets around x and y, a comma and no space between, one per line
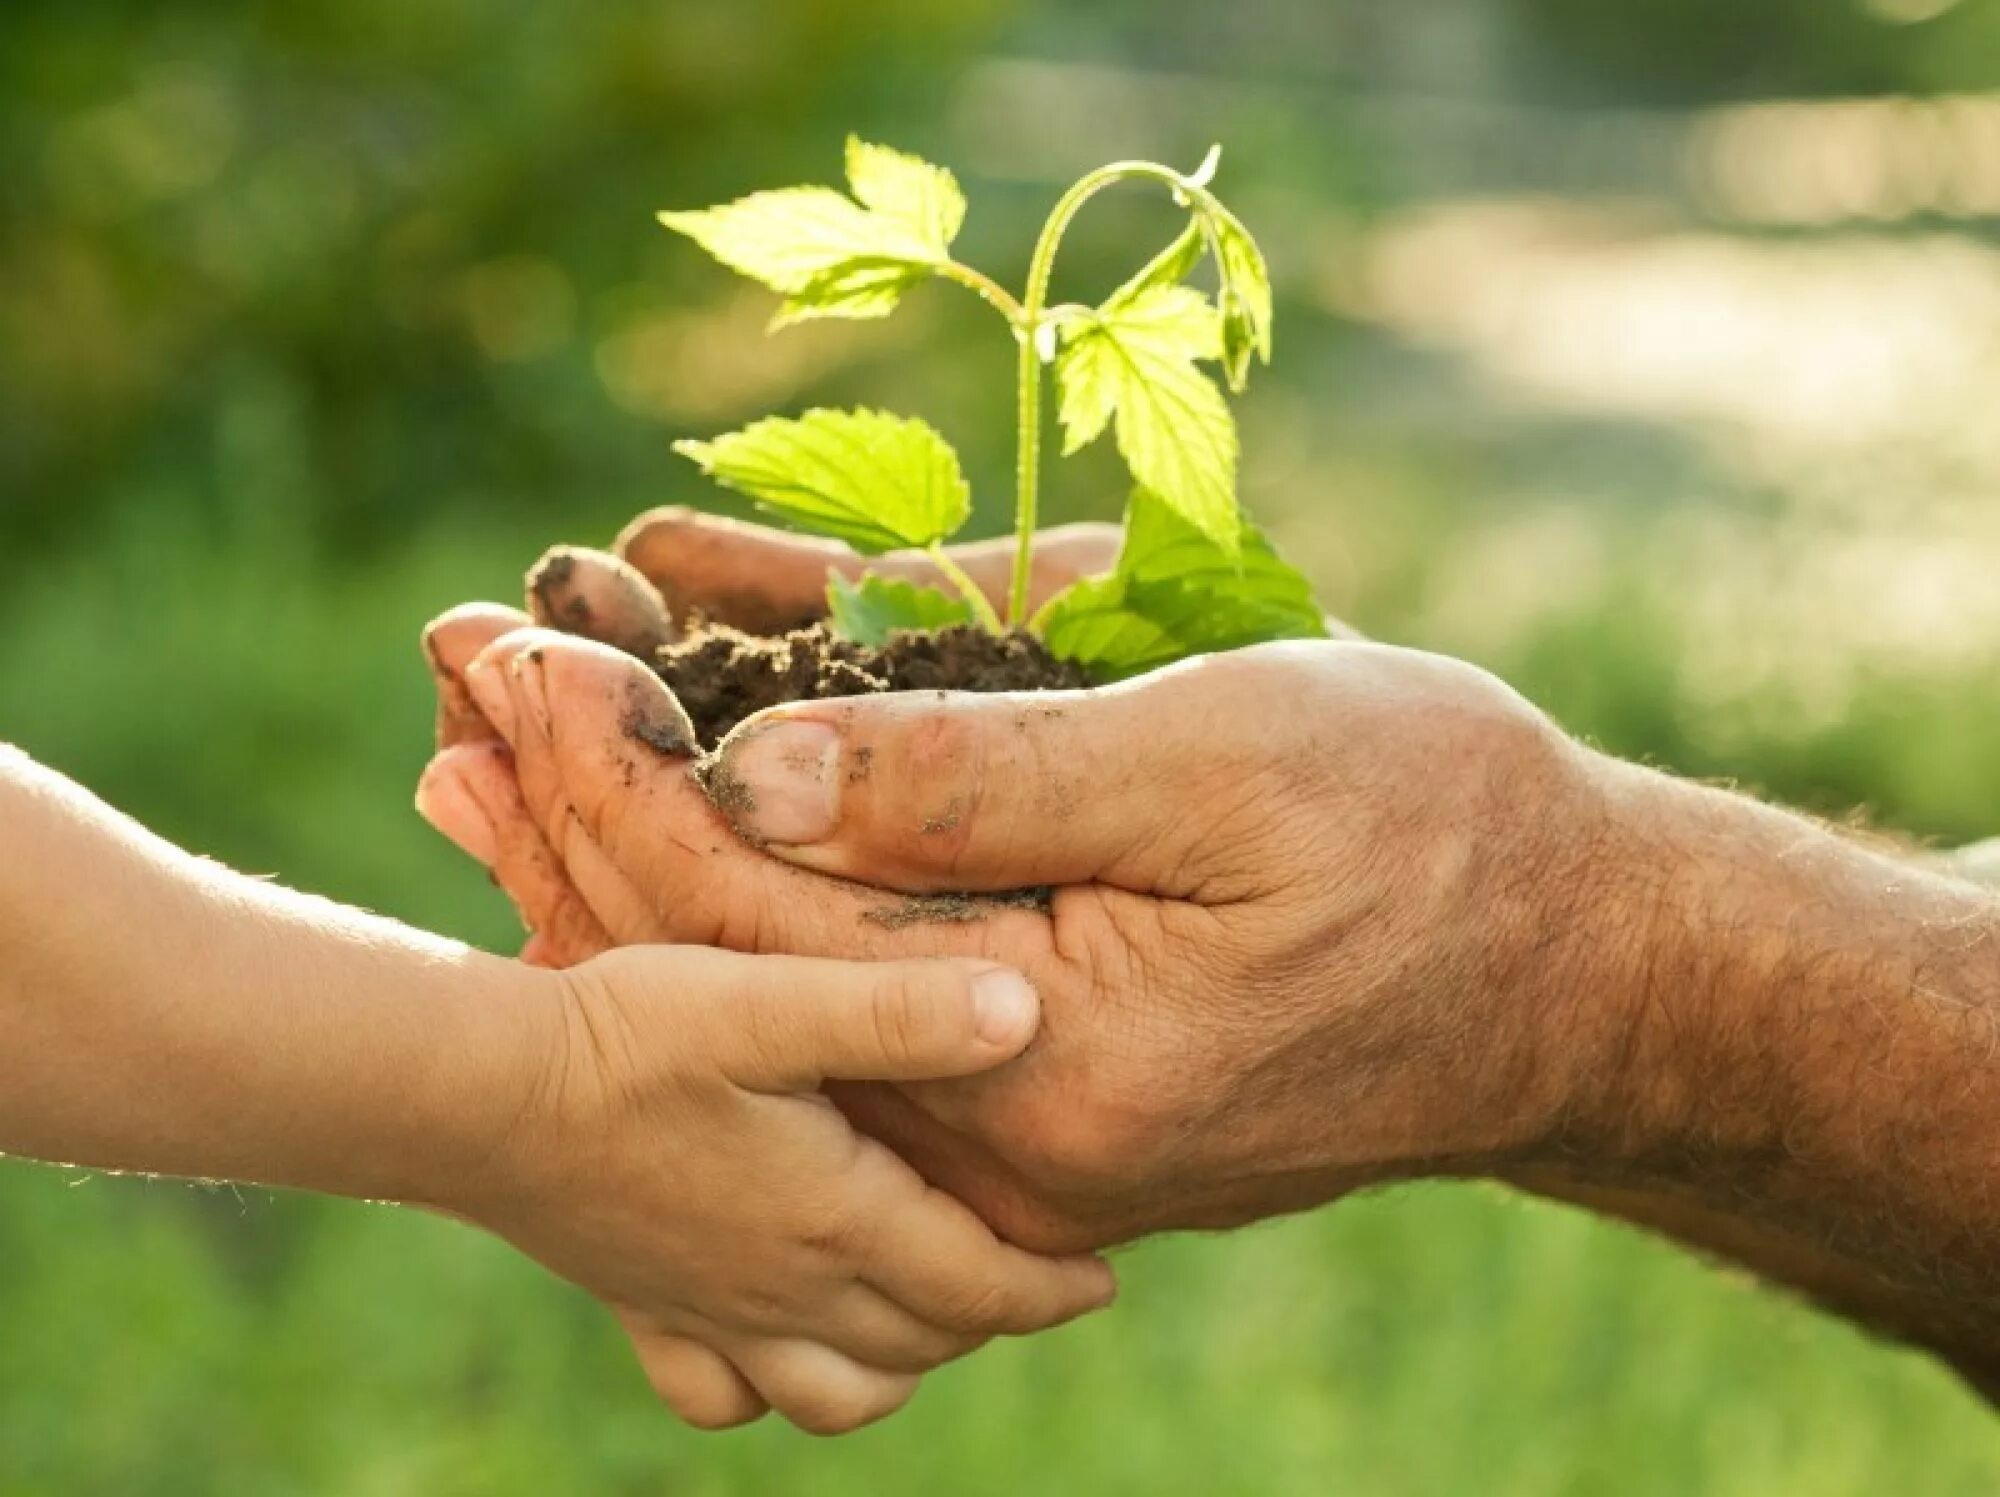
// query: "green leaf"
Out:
[1175,593]
[1168,268]
[923,198]
[826,253]
[871,479]
[1091,623]
[861,287]
[1245,296]
[869,611]
[1135,361]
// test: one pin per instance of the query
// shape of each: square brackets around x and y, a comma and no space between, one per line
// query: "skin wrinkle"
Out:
[1822,970]
[1486,953]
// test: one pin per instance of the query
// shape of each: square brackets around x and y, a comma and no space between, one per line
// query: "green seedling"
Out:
[1194,575]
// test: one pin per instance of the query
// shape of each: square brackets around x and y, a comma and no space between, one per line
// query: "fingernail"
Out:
[1004,1008]
[526,669]
[784,780]
[489,692]
[447,804]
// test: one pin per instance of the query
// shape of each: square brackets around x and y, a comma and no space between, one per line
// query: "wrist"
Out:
[1566,921]
[490,1030]
[1776,980]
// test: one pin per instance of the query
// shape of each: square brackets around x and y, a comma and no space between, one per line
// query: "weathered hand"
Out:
[1351,914]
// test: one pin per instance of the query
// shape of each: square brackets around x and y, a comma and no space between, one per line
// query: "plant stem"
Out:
[1027,324]
[985,287]
[1028,463]
[967,589]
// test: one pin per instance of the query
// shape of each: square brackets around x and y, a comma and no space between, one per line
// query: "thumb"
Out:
[929,791]
[791,1023]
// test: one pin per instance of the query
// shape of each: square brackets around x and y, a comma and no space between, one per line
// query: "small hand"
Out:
[676,1158]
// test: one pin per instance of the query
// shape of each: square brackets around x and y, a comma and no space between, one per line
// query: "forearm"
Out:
[1805,1075]
[159,1013]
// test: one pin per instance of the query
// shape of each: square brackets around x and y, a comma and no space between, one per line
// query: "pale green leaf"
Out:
[860,288]
[1090,374]
[1135,361]
[871,479]
[827,254]
[923,198]
[1245,296]
[1179,440]
[1175,593]
[1168,268]
[792,236]
[870,610]
[1239,341]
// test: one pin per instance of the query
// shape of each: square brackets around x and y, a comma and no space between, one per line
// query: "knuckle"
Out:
[940,745]
[909,1015]
[837,1234]
[983,1308]
[943,752]
[767,1033]
[927,813]
[763,1304]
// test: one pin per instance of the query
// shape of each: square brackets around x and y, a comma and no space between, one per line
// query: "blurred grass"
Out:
[238,472]
[161,1339]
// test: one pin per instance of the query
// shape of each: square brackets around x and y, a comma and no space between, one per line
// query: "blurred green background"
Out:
[1647,353]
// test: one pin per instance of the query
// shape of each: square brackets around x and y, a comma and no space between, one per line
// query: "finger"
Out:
[604,760]
[928,791]
[948,1268]
[946,1138]
[469,793]
[820,1390]
[865,1324]
[451,642]
[1062,554]
[698,1384]
[787,1024]
[768,581]
[596,595]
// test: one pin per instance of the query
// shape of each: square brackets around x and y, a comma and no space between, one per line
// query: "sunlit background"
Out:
[1647,353]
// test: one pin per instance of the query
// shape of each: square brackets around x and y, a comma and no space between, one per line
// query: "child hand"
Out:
[674,1156]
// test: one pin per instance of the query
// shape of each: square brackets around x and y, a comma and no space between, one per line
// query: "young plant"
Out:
[1193,575]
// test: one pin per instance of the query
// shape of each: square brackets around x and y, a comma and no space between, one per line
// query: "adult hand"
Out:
[1332,914]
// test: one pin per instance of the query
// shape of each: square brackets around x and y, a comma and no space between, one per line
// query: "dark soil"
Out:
[954,909]
[722,675]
